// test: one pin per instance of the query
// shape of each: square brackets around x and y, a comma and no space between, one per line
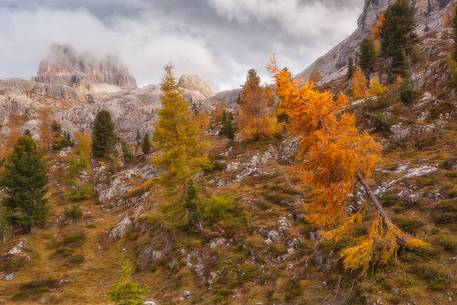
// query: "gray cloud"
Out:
[216,39]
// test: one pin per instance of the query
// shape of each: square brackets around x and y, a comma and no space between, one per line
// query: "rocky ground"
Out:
[265,252]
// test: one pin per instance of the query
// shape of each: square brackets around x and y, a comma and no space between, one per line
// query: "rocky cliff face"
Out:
[71,90]
[64,66]
[429,15]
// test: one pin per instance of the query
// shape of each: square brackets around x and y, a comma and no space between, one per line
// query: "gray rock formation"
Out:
[64,66]
[71,89]
[229,98]
[194,83]
[429,16]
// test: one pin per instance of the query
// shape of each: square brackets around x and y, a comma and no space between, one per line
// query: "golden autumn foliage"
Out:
[218,110]
[335,153]
[376,88]
[177,138]
[359,84]
[256,117]
[376,31]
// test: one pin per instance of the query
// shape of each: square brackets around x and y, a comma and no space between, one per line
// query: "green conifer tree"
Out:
[367,56]
[178,140]
[103,136]
[146,145]
[227,122]
[127,291]
[24,180]
[351,68]
[397,34]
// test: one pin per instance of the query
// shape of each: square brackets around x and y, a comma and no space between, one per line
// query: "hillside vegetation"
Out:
[307,192]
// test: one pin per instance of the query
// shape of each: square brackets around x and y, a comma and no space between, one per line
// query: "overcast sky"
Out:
[218,40]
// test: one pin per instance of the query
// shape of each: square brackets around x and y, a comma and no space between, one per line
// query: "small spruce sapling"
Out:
[127,291]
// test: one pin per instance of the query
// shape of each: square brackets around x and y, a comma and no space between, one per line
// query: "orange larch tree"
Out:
[337,156]
[359,84]
[256,117]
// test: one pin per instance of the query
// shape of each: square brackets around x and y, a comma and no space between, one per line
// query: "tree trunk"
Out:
[378,206]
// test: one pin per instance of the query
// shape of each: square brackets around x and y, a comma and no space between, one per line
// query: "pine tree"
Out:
[127,291]
[397,34]
[351,68]
[178,140]
[103,136]
[367,56]
[227,129]
[25,180]
[256,119]
[146,145]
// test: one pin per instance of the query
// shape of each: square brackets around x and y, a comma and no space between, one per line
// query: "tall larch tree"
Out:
[397,34]
[367,56]
[103,137]
[177,139]
[24,180]
[337,156]
[256,118]
[359,84]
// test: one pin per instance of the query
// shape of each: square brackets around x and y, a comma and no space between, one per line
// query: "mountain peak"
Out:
[64,66]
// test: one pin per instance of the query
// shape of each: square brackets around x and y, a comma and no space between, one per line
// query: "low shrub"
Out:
[62,252]
[73,213]
[292,290]
[410,224]
[214,166]
[74,240]
[433,274]
[79,193]
[447,242]
[216,208]
[408,95]
[445,212]
[35,288]
[390,198]
[76,259]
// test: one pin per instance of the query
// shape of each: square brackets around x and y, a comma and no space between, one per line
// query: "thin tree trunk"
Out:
[378,206]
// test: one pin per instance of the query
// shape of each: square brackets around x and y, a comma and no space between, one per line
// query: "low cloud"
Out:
[218,40]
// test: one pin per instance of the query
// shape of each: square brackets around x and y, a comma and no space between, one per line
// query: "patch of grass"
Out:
[76,259]
[292,290]
[74,240]
[390,198]
[14,263]
[79,193]
[447,242]
[445,213]
[451,174]
[427,181]
[433,274]
[420,254]
[63,252]
[35,288]
[410,224]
